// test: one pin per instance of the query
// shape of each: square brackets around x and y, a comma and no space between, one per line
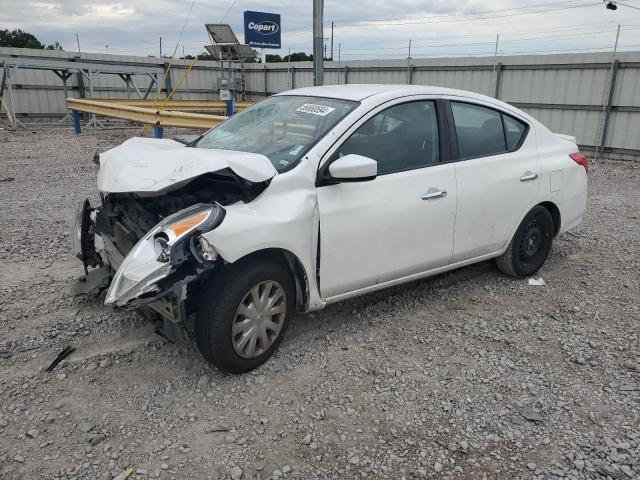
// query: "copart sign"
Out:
[262,29]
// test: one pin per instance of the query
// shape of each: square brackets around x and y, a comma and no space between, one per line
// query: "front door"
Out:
[399,224]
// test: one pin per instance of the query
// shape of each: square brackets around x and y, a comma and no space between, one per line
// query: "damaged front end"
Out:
[148,271]
[144,241]
[168,257]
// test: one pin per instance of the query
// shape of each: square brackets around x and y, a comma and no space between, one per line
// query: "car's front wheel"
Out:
[530,245]
[244,314]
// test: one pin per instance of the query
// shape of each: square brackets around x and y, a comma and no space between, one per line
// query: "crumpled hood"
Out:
[150,165]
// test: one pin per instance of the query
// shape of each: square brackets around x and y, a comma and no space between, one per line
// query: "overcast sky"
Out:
[363,28]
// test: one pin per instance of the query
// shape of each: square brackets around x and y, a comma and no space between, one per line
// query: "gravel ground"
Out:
[467,375]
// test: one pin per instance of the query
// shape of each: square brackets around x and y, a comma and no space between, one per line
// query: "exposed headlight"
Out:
[160,252]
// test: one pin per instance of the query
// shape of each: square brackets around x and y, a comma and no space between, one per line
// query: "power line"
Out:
[511,33]
[603,49]
[487,42]
[383,23]
[228,10]
[443,15]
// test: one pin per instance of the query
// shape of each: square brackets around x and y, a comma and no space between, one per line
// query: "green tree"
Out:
[298,57]
[273,58]
[55,46]
[21,39]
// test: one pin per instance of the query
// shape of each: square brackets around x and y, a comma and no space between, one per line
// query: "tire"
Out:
[220,308]
[530,245]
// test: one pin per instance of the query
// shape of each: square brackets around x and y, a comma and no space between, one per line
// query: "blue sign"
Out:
[262,29]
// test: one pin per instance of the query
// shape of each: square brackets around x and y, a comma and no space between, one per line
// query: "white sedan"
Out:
[316,195]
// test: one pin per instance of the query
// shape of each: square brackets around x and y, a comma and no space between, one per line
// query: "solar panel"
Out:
[221,33]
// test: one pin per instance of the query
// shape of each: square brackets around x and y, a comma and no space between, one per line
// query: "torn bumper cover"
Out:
[169,256]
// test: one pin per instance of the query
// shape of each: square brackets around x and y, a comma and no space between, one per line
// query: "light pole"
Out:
[318,61]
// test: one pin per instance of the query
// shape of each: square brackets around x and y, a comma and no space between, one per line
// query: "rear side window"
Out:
[478,129]
[514,131]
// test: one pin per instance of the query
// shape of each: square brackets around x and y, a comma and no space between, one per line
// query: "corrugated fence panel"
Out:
[628,87]
[577,86]
[582,124]
[624,130]
[473,80]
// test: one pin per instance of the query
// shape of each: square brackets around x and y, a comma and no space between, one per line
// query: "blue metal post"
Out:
[76,121]
[158,131]
[230,107]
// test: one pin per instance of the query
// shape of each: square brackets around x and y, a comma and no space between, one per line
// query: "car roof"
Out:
[359,92]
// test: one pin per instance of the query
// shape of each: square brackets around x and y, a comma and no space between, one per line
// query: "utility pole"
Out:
[339,45]
[318,61]
[495,53]
[409,54]
[160,47]
[332,41]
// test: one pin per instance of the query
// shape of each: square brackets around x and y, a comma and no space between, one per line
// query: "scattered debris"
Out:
[61,356]
[537,282]
[105,363]
[236,473]
[96,438]
[217,429]
[86,427]
[125,474]
[630,388]
[531,414]
[7,179]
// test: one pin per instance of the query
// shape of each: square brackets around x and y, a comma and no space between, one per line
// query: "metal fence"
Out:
[587,95]
[39,94]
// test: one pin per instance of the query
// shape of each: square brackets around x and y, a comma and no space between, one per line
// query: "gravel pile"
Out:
[468,375]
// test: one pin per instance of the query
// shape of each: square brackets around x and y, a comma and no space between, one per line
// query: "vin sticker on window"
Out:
[313,109]
[295,150]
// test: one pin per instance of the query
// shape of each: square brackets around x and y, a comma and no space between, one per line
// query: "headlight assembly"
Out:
[161,252]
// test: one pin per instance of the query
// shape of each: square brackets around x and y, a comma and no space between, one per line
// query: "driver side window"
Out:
[402,137]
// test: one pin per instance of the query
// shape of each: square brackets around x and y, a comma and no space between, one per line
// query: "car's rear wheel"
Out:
[530,245]
[244,314]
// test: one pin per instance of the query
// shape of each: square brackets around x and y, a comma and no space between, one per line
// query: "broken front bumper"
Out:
[162,262]
[169,256]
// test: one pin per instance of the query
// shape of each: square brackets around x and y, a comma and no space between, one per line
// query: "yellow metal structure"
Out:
[149,116]
[182,105]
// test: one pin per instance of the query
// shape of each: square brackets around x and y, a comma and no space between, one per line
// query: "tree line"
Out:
[21,39]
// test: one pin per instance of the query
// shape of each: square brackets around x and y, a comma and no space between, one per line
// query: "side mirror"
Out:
[352,168]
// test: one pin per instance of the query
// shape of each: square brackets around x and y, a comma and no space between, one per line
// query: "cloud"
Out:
[363,28]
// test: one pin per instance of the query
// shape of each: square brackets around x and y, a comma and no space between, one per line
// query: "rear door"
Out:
[498,176]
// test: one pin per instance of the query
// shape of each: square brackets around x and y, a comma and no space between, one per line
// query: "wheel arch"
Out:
[553,209]
[293,263]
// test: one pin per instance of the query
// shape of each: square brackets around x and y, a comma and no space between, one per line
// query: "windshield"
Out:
[283,128]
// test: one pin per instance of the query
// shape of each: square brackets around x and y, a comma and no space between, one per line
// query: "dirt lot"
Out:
[428,380]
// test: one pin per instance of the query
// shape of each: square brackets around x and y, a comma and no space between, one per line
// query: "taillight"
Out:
[580,159]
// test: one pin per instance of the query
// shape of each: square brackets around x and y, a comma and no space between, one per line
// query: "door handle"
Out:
[528,176]
[436,194]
